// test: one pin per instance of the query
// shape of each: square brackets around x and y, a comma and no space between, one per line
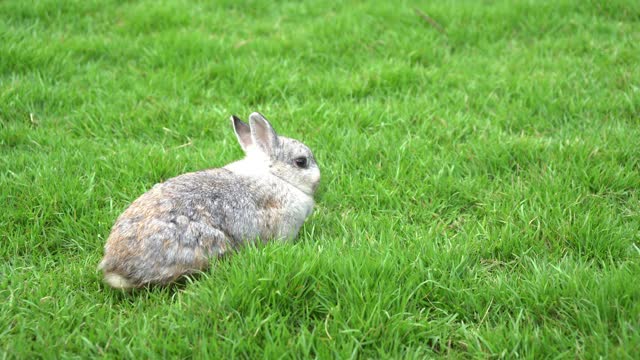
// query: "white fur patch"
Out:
[117,281]
[255,164]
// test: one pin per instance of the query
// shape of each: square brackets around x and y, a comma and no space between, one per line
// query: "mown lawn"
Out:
[480,193]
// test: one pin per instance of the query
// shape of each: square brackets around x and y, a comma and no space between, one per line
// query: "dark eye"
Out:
[301,162]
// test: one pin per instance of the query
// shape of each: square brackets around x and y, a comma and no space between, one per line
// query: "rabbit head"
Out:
[266,152]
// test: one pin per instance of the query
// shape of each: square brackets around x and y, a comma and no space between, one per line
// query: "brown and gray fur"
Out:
[179,225]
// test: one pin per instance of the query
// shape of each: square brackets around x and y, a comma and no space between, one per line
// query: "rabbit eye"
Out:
[301,162]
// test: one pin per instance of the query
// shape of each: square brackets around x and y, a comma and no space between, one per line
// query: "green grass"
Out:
[480,193]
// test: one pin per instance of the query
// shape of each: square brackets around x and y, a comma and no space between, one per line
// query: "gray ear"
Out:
[262,133]
[243,132]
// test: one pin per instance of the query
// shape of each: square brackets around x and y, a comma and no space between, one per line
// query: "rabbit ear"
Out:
[243,132]
[262,133]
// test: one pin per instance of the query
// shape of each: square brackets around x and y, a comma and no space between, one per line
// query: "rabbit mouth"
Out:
[308,190]
[314,187]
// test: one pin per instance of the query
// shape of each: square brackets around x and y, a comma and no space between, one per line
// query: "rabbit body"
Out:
[179,225]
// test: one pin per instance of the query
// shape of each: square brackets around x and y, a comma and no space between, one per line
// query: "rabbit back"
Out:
[179,225]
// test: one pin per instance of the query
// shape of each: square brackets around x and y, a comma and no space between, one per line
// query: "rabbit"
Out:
[179,225]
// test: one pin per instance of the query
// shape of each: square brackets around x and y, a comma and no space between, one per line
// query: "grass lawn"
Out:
[481,175]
